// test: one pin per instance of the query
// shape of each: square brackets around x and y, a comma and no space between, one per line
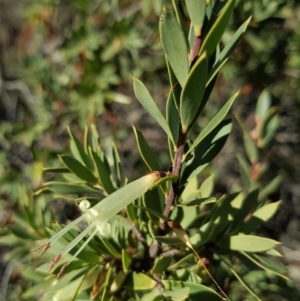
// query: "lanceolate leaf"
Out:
[174,45]
[213,123]
[139,282]
[245,172]
[248,243]
[259,216]
[244,284]
[173,116]
[197,291]
[83,156]
[145,99]
[145,151]
[103,173]
[193,91]
[206,150]
[229,48]
[244,208]
[196,10]
[271,187]
[215,33]
[79,170]
[65,188]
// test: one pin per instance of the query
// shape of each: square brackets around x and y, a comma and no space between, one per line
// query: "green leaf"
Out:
[153,201]
[244,284]
[271,187]
[174,44]
[110,247]
[245,172]
[267,264]
[244,207]
[229,48]
[145,151]
[139,282]
[220,217]
[193,91]
[207,186]
[197,202]
[80,150]
[269,129]
[94,138]
[175,88]
[126,261]
[103,173]
[56,169]
[247,243]
[263,104]
[209,88]
[250,147]
[178,295]
[213,123]
[153,212]
[145,99]
[168,240]
[259,216]
[117,164]
[161,264]
[188,260]
[64,188]
[131,213]
[196,10]
[78,169]
[197,291]
[206,150]
[215,33]
[173,116]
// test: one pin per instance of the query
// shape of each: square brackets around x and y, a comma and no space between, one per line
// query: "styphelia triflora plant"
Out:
[176,241]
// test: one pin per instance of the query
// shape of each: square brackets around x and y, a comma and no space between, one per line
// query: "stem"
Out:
[195,51]
[176,171]
[181,141]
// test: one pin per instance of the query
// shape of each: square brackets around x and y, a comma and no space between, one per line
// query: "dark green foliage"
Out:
[179,240]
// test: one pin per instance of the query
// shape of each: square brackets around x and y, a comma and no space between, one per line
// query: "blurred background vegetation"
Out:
[66,62]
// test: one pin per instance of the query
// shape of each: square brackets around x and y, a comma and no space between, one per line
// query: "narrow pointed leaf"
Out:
[260,216]
[214,122]
[263,104]
[139,282]
[249,202]
[245,285]
[65,188]
[161,264]
[117,164]
[174,44]
[196,10]
[215,33]
[173,116]
[197,291]
[145,151]
[248,243]
[229,48]
[207,150]
[271,187]
[126,261]
[250,147]
[245,172]
[79,169]
[83,155]
[103,173]
[193,91]
[146,100]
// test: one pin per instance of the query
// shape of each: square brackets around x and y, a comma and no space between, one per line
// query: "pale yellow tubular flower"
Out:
[98,216]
